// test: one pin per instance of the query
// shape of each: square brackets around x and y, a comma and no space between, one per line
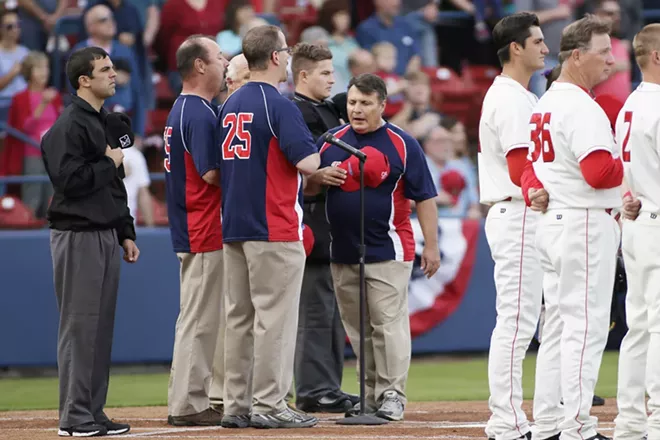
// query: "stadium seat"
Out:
[450,95]
[295,19]
[15,215]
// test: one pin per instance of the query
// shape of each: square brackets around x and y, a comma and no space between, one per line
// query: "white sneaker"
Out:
[391,408]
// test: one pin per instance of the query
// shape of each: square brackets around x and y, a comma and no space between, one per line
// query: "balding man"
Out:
[361,61]
[101,28]
[238,73]
[192,179]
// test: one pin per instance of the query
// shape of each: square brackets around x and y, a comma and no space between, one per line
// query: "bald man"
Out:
[361,61]
[101,29]
[238,73]
[192,167]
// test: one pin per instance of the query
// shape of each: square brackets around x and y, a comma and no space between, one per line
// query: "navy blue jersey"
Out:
[191,150]
[262,138]
[388,232]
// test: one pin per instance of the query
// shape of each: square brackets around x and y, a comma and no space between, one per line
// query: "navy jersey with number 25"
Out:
[262,137]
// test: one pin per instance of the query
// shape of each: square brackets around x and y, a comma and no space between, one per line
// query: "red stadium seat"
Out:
[15,215]
[450,95]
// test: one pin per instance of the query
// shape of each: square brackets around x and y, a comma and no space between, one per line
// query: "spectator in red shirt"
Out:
[181,19]
[385,55]
[34,111]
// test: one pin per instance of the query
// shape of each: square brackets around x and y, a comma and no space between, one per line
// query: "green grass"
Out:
[429,380]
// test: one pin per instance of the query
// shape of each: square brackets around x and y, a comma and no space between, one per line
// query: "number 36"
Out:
[541,137]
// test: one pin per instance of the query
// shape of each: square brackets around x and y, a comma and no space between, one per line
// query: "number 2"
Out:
[541,138]
[236,124]
[625,151]
[166,146]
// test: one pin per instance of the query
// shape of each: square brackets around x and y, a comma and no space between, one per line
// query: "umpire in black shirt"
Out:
[319,360]
[89,219]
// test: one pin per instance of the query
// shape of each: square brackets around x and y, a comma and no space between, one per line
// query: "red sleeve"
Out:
[516,160]
[601,170]
[528,181]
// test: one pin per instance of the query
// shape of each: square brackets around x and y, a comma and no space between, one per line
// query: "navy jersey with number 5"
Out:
[193,206]
[262,138]
[388,233]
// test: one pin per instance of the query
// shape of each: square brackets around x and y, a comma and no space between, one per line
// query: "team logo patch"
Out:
[125,141]
[502,210]
[654,216]
[559,216]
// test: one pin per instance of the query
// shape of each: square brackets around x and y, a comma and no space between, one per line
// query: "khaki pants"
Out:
[387,329]
[263,292]
[196,332]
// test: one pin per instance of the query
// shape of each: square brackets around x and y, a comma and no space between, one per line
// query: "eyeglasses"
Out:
[12,26]
[285,49]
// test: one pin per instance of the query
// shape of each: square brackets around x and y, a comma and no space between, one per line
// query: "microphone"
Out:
[329,138]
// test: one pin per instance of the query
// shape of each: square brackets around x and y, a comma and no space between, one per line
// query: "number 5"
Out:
[625,151]
[541,138]
[166,145]
[236,124]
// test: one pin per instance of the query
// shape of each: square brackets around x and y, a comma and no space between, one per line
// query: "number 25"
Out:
[541,138]
[236,124]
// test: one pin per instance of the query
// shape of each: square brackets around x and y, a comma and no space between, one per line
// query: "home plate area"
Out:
[424,420]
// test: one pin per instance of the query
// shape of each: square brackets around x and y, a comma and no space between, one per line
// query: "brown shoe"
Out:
[208,417]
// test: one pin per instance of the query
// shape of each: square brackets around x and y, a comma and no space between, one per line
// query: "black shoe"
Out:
[115,428]
[598,401]
[90,429]
[599,437]
[554,437]
[354,398]
[286,418]
[235,422]
[330,403]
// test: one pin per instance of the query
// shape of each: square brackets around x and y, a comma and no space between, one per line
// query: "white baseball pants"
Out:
[510,231]
[577,249]
[640,349]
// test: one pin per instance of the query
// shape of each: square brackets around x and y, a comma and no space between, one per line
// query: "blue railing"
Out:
[155,177]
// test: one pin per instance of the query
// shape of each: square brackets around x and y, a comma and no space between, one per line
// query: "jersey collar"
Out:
[508,80]
[649,86]
[562,85]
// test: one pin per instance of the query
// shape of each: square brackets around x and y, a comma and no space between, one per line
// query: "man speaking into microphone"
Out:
[395,172]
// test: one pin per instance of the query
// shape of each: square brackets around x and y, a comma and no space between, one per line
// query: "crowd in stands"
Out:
[437,63]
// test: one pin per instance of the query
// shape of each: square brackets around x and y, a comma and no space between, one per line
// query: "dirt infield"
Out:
[424,420]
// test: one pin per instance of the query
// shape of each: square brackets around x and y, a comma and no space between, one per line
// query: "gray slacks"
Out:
[86,276]
[319,360]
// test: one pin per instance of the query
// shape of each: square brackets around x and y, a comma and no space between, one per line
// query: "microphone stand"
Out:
[363,418]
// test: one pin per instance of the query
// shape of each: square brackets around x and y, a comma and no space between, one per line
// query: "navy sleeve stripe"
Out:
[267,115]
[401,148]
[183,140]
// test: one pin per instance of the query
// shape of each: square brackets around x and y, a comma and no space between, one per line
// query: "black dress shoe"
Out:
[599,437]
[330,403]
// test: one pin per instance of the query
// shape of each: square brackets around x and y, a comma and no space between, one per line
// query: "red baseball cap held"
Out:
[308,239]
[453,183]
[376,170]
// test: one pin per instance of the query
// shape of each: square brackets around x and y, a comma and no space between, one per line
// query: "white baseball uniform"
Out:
[577,240]
[510,230]
[638,133]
